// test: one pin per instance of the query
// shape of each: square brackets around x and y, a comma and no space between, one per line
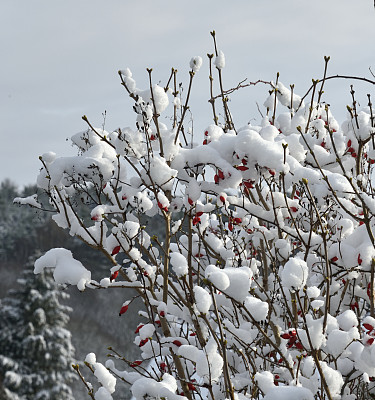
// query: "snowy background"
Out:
[60,60]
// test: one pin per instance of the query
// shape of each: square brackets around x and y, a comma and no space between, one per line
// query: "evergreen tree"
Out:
[20,226]
[35,347]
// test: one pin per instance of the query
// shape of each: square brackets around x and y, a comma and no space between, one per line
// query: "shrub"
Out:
[262,282]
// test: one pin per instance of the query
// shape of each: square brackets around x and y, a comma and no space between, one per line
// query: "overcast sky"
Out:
[59,60]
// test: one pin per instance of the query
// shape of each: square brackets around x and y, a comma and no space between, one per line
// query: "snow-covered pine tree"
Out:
[36,353]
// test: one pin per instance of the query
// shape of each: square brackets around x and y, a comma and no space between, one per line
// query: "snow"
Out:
[196,63]
[264,380]
[104,377]
[90,358]
[294,274]
[103,394]
[193,190]
[179,264]
[257,308]
[289,393]
[189,352]
[239,282]
[30,200]
[203,299]
[160,174]
[313,292]
[161,100]
[167,388]
[67,270]
[316,304]
[218,278]
[347,320]
[284,95]
[338,341]
[333,378]
[105,282]
[219,61]
[209,364]
[129,81]
[146,331]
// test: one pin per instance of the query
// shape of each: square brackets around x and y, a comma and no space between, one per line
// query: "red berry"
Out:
[221,174]
[138,328]
[177,343]
[368,327]
[248,184]
[216,179]
[285,336]
[136,363]
[242,168]
[163,366]
[334,259]
[299,346]
[293,209]
[222,199]
[196,220]
[143,342]
[206,133]
[123,310]
[370,341]
[349,144]
[162,207]
[114,276]
[359,259]
[291,341]
[162,313]
[116,250]
[190,201]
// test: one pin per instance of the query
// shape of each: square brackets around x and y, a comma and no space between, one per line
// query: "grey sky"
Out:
[60,60]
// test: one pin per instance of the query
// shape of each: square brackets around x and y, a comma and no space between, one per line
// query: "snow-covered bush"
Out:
[262,284]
